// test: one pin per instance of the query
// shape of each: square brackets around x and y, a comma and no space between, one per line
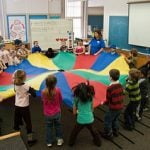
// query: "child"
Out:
[147,67]
[50,53]
[143,84]
[80,48]
[83,108]
[22,104]
[3,59]
[113,49]
[52,100]
[114,100]
[36,47]
[133,90]
[2,66]
[1,99]
[14,58]
[23,52]
[132,59]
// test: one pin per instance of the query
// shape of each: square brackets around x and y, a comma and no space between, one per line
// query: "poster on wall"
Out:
[17,28]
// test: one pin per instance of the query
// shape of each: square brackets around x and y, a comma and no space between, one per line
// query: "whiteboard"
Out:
[139,24]
[47,31]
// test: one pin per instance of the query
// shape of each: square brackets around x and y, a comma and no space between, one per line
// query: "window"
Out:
[74,11]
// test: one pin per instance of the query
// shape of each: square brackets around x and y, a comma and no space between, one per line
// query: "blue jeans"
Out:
[111,121]
[53,121]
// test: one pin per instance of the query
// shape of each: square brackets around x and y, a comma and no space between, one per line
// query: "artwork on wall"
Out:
[17,27]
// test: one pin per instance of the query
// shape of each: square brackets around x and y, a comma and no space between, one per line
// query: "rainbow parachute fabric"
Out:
[76,69]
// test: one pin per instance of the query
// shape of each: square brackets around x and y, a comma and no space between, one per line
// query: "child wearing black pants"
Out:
[143,84]
[22,110]
[133,90]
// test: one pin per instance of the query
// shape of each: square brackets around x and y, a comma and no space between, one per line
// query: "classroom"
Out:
[69,66]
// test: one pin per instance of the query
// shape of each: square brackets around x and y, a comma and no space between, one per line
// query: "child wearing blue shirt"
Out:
[36,47]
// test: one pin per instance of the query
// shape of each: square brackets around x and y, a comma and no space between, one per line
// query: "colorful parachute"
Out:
[76,69]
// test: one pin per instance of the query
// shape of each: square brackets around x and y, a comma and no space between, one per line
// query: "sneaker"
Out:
[32,142]
[146,109]
[116,132]
[60,142]
[49,145]
[107,136]
[139,118]
[129,128]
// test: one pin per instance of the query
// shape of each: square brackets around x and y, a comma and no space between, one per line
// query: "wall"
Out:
[1,18]
[2,22]
[31,8]
[26,6]
[111,8]
[118,8]
[95,18]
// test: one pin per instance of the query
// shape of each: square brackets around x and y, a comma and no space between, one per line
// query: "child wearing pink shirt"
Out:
[80,48]
[52,99]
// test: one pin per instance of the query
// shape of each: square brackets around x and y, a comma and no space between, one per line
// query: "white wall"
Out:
[1,18]
[26,6]
[95,10]
[111,8]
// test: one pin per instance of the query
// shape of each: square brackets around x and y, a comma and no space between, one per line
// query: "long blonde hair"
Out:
[19,77]
[51,81]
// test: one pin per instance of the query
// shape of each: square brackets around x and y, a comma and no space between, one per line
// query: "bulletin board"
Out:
[17,28]
[48,31]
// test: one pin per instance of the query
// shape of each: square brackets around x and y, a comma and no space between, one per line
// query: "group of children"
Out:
[136,87]
[10,57]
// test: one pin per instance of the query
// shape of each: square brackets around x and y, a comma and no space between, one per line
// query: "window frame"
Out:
[81,17]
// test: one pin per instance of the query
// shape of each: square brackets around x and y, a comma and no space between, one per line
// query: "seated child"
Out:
[5,56]
[113,49]
[1,67]
[14,58]
[63,48]
[17,42]
[2,62]
[23,52]
[80,48]
[50,53]
[36,47]
[132,59]
[1,99]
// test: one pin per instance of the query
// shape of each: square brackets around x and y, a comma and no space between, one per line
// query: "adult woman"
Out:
[97,43]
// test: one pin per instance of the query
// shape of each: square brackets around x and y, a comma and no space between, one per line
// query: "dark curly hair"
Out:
[84,92]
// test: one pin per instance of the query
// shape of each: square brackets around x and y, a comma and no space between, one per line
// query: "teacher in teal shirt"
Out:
[97,43]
